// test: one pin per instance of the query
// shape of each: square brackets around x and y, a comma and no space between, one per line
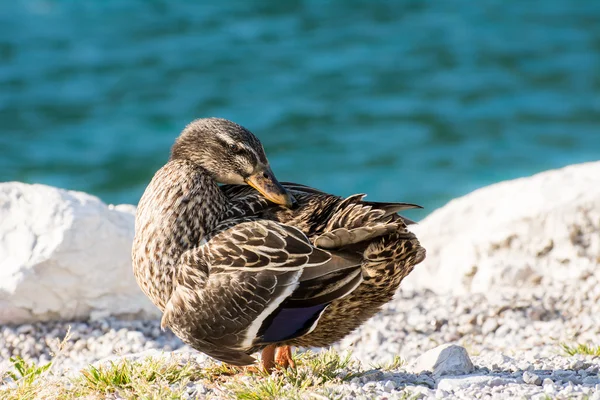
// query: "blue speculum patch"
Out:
[289,323]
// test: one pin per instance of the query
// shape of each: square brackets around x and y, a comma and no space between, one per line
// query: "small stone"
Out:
[549,388]
[424,380]
[448,359]
[5,366]
[24,329]
[539,396]
[547,381]
[579,364]
[489,326]
[503,330]
[531,378]
[389,386]
[372,376]
[568,389]
[191,389]
[499,360]
[497,381]
[590,380]
[420,392]
[592,369]
[453,383]
[536,314]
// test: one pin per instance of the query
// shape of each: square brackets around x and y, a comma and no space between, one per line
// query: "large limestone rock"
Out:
[521,233]
[65,255]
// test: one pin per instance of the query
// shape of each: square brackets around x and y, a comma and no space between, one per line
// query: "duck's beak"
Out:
[265,182]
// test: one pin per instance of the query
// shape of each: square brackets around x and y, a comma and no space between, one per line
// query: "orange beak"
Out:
[265,182]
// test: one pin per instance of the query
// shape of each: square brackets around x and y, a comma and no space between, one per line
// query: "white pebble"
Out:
[389,386]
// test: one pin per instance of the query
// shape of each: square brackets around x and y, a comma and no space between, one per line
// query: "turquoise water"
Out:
[418,101]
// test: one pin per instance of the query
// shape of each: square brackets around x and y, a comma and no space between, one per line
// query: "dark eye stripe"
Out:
[261,155]
[243,151]
[259,150]
[252,157]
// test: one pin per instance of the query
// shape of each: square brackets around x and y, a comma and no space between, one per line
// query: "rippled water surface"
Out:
[406,100]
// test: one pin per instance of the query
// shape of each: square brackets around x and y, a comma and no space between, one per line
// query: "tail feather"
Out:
[391,208]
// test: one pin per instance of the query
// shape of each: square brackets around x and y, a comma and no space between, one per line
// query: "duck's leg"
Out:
[268,358]
[283,357]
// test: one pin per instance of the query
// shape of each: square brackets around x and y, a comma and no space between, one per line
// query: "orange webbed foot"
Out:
[273,356]
[283,357]
[268,359]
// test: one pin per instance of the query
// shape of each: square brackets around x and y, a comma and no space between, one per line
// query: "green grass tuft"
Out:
[312,372]
[329,365]
[585,349]
[274,387]
[150,378]
[26,372]
[396,363]
[168,378]
[104,380]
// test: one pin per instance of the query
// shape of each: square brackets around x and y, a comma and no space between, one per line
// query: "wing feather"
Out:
[244,275]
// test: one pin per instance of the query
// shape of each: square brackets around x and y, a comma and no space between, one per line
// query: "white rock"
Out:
[513,233]
[65,255]
[447,359]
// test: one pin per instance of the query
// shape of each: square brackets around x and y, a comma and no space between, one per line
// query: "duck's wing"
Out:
[233,191]
[248,193]
[254,283]
[298,187]
[245,201]
[238,191]
[354,221]
[347,214]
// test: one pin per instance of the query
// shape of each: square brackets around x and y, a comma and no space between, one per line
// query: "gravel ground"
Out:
[513,339]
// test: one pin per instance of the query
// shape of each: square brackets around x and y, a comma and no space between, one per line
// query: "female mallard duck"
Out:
[236,269]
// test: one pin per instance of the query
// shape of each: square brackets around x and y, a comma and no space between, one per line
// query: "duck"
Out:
[239,263]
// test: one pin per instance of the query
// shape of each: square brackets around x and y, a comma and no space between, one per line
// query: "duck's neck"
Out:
[181,205]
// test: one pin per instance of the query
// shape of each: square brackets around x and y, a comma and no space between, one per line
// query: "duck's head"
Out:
[230,154]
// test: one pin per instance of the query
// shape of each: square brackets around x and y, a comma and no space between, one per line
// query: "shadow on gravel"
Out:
[484,377]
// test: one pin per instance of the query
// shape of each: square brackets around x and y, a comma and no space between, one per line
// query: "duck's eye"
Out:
[235,148]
